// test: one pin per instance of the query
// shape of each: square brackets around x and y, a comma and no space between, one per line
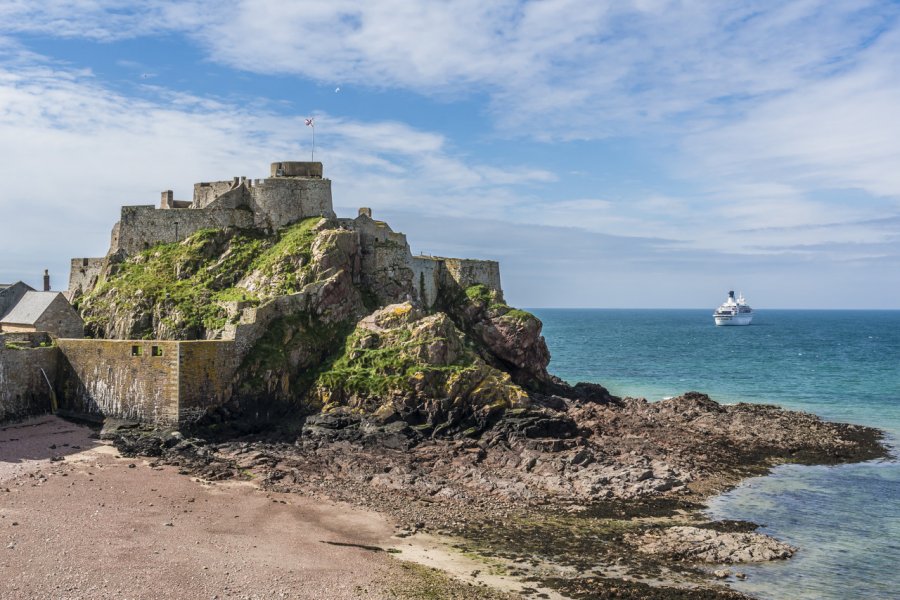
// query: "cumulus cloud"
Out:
[588,67]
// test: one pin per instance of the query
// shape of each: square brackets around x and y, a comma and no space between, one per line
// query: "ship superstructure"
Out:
[734,311]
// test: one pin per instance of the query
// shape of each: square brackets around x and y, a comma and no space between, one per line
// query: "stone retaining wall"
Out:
[166,383]
[24,390]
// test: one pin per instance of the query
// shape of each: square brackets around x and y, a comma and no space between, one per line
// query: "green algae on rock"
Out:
[401,363]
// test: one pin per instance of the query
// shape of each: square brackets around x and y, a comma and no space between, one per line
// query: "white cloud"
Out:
[583,67]
[842,132]
[579,68]
[81,150]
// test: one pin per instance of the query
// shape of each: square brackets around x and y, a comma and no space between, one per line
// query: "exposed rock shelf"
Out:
[610,488]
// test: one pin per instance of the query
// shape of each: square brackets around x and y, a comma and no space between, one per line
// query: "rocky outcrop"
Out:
[574,452]
[297,300]
[401,364]
[510,338]
[698,544]
[602,486]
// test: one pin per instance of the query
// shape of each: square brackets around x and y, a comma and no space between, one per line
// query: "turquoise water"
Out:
[842,365]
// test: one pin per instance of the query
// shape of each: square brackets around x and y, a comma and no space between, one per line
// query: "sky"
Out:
[609,153]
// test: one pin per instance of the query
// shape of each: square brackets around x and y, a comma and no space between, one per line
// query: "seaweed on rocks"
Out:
[568,494]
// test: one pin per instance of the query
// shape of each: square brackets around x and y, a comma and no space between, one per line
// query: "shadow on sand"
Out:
[44,438]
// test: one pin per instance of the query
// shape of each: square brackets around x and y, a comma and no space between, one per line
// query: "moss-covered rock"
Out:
[184,290]
[285,362]
[399,363]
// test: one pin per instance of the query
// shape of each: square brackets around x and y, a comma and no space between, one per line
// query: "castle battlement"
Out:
[311,170]
[295,191]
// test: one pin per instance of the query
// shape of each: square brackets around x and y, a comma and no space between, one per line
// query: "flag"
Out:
[310,123]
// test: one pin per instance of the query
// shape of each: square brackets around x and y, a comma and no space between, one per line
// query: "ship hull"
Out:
[728,320]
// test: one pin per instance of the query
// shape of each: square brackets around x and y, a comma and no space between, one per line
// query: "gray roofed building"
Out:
[10,294]
[43,311]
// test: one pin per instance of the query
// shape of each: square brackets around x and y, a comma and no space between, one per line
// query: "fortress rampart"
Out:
[431,274]
[298,191]
[141,227]
[83,275]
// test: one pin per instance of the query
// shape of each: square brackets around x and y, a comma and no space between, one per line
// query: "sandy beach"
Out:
[79,521]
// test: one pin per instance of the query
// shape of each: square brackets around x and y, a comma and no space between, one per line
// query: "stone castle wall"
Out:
[269,204]
[166,383]
[120,378]
[296,169]
[206,371]
[433,275]
[426,279]
[279,201]
[83,275]
[466,272]
[236,197]
[141,227]
[206,192]
[24,390]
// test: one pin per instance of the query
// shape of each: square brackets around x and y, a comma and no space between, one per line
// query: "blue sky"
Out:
[643,153]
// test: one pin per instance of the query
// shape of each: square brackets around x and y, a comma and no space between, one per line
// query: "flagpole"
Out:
[310,122]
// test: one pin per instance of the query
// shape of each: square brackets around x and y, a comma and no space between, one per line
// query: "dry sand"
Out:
[78,521]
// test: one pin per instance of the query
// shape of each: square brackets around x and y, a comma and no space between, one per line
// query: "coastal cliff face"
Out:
[345,328]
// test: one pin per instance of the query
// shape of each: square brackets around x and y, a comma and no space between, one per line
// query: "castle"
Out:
[173,382]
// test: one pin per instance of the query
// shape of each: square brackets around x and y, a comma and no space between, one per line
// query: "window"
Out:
[84,262]
[137,350]
[156,351]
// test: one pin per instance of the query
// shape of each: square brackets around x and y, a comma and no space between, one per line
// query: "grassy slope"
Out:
[191,278]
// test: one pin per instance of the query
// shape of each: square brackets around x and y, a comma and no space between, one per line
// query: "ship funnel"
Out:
[731,294]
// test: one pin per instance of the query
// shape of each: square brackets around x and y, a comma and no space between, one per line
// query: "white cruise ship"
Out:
[734,311]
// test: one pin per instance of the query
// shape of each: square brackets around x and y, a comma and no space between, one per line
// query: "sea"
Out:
[843,365]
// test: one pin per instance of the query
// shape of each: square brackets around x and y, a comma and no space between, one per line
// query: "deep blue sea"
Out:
[843,365]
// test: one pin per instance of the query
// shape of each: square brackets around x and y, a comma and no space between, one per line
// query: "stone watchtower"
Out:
[293,191]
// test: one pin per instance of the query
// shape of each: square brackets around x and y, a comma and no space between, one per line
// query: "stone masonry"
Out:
[166,383]
[175,382]
[26,372]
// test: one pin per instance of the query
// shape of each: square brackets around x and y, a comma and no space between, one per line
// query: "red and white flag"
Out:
[310,123]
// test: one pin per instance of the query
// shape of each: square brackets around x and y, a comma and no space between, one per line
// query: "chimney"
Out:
[46,280]
[167,200]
